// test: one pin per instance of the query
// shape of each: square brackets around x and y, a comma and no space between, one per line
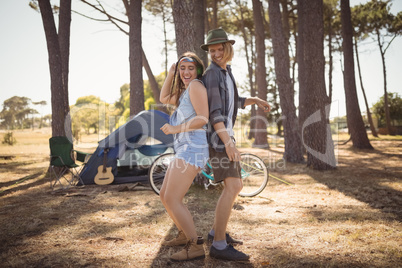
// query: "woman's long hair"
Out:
[178,86]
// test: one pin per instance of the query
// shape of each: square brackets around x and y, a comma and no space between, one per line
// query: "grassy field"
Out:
[347,217]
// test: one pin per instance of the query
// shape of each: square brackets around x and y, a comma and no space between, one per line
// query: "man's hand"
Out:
[260,103]
[232,152]
[263,105]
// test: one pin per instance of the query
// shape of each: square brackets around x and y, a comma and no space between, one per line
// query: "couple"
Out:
[206,111]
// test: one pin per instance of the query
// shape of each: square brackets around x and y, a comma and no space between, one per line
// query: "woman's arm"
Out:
[199,100]
[165,97]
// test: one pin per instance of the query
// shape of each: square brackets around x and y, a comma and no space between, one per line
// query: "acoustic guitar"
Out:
[104,175]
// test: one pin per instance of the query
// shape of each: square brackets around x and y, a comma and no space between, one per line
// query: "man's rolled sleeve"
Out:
[241,102]
[216,117]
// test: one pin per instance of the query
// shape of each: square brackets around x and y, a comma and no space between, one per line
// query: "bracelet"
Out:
[231,140]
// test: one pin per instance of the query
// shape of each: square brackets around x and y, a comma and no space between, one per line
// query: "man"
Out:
[224,101]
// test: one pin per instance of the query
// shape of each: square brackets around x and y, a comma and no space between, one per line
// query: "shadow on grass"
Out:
[32,214]
[21,183]
[62,210]
[201,204]
[362,185]
[278,258]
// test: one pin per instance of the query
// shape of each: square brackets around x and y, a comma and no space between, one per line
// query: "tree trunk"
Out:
[199,30]
[355,122]
[370,119]
[285,21]
[293,32]
[215,14]
[190,37]
[249,66]
[206,17]
[316,132]
[253,90]
[261,135]
[64,42]
[300,41]
[151,77]
[165,41]
[135,50]
[293,146]
[386,107]
[152,81]
[58,96]
[330,67]
[183,16]
[253,112]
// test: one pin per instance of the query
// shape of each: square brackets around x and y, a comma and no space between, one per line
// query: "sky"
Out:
[99,58]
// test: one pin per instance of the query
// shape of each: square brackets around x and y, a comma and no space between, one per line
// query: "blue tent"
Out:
[128,150]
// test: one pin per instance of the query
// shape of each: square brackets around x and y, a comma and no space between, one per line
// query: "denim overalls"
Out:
[191,146]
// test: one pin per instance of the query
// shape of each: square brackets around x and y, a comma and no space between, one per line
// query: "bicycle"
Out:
[254,174]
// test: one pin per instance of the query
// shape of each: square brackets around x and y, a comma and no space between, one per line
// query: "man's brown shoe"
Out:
[193,250]
[179,240]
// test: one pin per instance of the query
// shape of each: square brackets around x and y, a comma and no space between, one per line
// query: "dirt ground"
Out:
[347,217]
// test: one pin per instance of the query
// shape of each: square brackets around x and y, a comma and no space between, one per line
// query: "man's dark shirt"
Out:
[214,80]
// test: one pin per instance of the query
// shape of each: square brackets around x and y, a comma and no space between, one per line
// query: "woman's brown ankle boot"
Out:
[194,249]
[179,240]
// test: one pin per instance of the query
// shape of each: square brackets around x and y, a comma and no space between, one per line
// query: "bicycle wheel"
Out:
[157,171]
[254,174]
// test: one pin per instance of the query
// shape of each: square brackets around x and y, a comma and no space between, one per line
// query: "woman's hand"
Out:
[169,129]
[165,96]
[172,68]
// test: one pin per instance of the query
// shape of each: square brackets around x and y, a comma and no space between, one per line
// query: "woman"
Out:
[184,89]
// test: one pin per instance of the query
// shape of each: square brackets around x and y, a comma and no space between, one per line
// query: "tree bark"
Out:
[151,77]
[355,122]
[261,135]
[249,61]
[330,63]
[165,41]
[206,17]
[314,107]
[369,117]
[152,81]
[59,97]
[215,14]
[189,28]
[303,94]
[293,146]
[294,24]
[184,26]
[135,58]
[285,21]
[199,30]
[64,42]
[384,71]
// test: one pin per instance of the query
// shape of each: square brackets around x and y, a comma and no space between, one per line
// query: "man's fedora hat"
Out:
[216,36]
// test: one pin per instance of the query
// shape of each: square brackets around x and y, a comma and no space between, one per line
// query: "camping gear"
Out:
[104,175]
[64,171]
[132,148]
